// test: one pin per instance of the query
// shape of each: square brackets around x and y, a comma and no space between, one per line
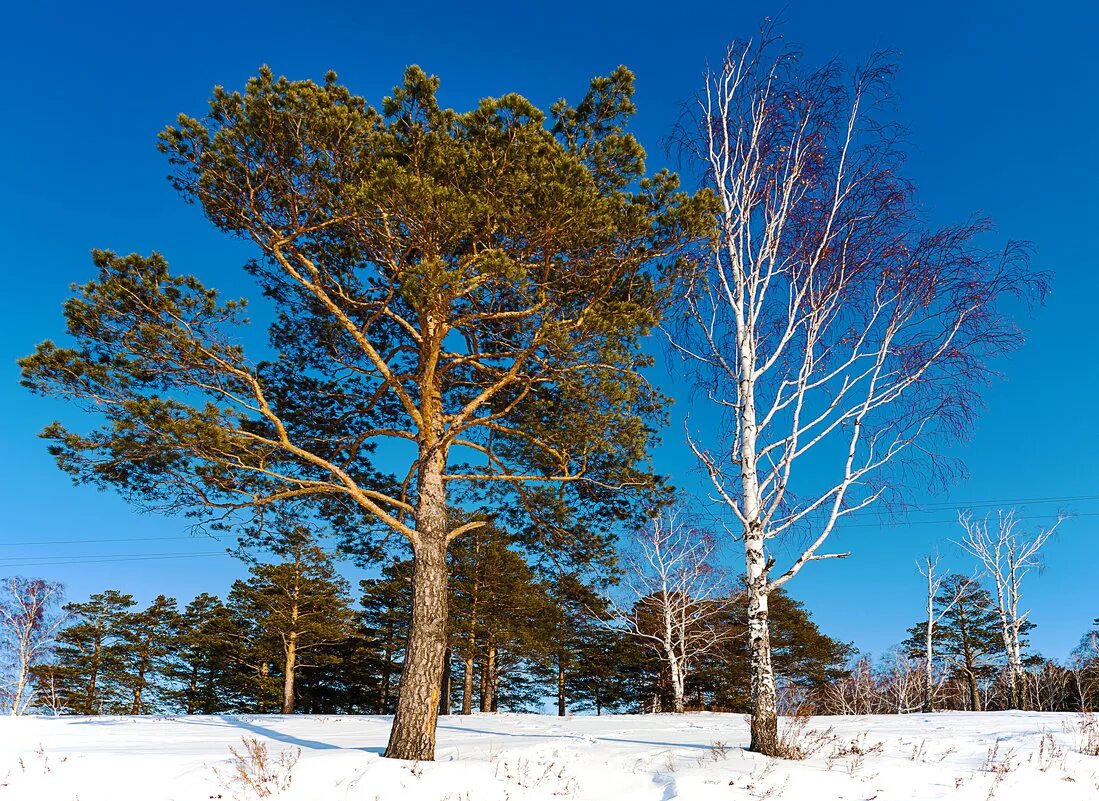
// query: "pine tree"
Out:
[211,672]
[88,653]
[349,682]
[475,284]
[387,611]
[502,619]
[577,642]
[147,644]
[967,637]
[1085,668]
[298,607]
[804,658]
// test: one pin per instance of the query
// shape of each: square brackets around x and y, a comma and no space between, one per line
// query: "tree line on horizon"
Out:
[289,637]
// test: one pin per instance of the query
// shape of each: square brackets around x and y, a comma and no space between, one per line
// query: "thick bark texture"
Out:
[413,733]
[764,696]
[488,679]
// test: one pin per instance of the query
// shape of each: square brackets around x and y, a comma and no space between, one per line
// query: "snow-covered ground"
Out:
[527,757]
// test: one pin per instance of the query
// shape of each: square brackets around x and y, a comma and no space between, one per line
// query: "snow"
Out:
[542,758]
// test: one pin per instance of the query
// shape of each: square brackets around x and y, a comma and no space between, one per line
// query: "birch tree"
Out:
[946,603]
[677,596]
[464,291]
[29,623]
[828,326]
[1007,555]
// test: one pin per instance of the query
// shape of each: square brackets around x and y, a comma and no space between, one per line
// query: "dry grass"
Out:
[797,741]
[252,773]
[1086,732]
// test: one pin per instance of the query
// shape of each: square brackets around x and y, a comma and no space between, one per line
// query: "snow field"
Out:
[695,757]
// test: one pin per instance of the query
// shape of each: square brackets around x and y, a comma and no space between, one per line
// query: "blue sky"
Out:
[1000,98]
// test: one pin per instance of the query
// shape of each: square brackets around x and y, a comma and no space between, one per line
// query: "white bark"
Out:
[825,326]
[29,623]
[674,596]
[1007,555]
[934,584]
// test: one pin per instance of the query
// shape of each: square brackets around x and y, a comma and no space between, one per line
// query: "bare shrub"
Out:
[997,761]
[919,750]
[551,775]
[758,783]
[999,764]
[854,752]
[1086,732]
[719,749]
[797,741]
[1049,752]
[254,773]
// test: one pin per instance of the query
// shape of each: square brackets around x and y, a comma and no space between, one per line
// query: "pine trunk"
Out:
[494,675]
[488,677]
[467,686]
[486,692]
[471,650]
[413,733]
[289,673]
[561,711]
[444,690]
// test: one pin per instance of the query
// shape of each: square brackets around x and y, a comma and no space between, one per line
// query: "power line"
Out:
[80,560]
[954,521]
[111,539]
[962,505]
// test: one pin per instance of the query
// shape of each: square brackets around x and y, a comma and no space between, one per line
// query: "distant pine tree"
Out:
[501,620]
[145,650]
[967,637]
[804,658]
[88,654]
[297,608]
[384,620]
[210,668]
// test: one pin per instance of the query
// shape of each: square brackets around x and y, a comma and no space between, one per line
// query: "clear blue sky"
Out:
[1002,101]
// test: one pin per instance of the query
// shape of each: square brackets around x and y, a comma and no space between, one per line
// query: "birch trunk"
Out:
[764,695]
[20,687]
[928,665]
[677,684]
[764,724]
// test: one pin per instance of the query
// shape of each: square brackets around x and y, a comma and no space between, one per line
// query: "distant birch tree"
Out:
[927,568]
[1007,555]
[677,595]
[828,324]
[29,622]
